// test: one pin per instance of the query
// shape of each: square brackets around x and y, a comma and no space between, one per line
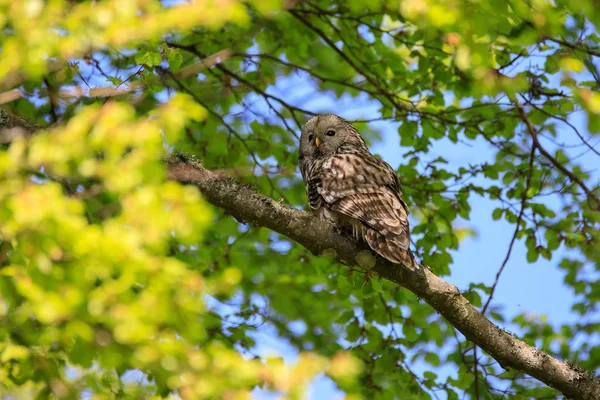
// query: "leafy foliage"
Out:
[109,271]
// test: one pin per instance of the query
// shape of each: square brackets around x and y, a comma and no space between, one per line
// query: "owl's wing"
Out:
[391,248]
[344,175]
[378,210]
[364,188]
[385,222]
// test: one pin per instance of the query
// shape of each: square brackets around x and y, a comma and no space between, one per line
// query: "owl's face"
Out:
[322,135]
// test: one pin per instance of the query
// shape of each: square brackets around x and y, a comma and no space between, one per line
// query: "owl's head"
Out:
[324,134]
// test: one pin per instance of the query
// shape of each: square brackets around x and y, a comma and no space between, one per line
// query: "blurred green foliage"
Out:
[107,268]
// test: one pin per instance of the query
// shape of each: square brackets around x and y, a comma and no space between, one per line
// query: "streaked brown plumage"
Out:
[347,186]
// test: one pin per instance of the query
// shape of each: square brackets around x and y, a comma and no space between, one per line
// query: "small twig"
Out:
[508,253]
[92,191]
[109,91]
[4,249]
[327,39]
[573,46]
[11,95]
[517,228]
[206,62]
[511,62]
[15,78]
[570,125]
[51,100]
[475,372]
[593,201]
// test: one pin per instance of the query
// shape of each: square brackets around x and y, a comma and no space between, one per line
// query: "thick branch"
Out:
[244,204]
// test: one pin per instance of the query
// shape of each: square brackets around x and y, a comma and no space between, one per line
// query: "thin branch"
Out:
[574,46]
[593,201]
[517,228]
[192,49]
[475,372]
[15,78]
[350,62]
[229,128]
[51,100]
[511,62]
[307,70]
[508,253]
[570,125]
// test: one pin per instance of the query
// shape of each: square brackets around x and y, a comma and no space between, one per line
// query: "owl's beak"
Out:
[317,142]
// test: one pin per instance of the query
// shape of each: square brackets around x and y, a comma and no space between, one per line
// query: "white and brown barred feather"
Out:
[349,187]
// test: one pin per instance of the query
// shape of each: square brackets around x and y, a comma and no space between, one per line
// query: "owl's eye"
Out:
[310,138]
[330,133]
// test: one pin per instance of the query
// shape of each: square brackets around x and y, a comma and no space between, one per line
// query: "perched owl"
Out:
[347,186]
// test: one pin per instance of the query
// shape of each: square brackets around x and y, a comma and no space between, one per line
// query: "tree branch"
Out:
[524,197]
[370,79]
[245,204]
[576,46]
[11,126]
[593,200]
[508,253]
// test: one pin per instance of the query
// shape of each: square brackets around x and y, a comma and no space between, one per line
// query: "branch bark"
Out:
[11,126]
[245,204]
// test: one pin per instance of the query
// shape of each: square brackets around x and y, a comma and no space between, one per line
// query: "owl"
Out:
[351,189]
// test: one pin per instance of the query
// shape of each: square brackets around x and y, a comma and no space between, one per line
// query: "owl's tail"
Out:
[394,249]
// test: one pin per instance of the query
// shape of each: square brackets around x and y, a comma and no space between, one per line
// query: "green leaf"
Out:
[532,255]
[114,80]
[408,131]
[433,359]
[409,331]
[353,332]
[367,289]
[343,282]
[497,213]
[376,283]
[174,58]
[148,58]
